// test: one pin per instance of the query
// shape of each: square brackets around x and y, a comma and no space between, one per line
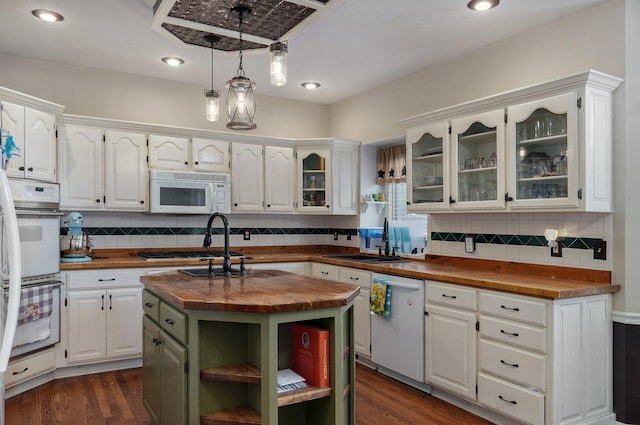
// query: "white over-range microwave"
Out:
[175,192]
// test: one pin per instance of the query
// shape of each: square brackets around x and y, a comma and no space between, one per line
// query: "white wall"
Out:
[107,94]
[591,40]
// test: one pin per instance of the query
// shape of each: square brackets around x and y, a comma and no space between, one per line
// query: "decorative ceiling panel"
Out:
[268,19]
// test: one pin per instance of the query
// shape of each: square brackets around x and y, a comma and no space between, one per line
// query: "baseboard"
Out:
[626,317]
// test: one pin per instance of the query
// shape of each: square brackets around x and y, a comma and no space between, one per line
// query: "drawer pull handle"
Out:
[354,278]
[148,305]
[107,280]
[324,273]
[453,297]
[509,364]
[502,331]
[169,321]
[102,306]
[20,371]
[507,401]
[510,308]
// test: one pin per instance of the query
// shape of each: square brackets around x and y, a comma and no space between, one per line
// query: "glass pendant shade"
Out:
[212,104]
[241,104]
[278,65]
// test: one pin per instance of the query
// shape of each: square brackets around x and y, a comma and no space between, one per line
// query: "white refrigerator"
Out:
[8,305]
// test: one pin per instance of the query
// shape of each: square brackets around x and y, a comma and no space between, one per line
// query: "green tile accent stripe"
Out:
[519,240]
[123,231]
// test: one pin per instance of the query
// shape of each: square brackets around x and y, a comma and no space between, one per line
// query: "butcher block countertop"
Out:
[550,282]
[262,291]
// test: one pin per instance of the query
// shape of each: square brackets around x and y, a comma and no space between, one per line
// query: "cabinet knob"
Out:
[268,205]
[30,169]
[328,206]
[235,204]
[507,198]
[408,203]
[21,168]
[98,200]
[451,200]
[142,202]
[186,163]
[196,163]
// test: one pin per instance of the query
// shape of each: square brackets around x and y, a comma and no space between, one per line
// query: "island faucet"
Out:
[226,264]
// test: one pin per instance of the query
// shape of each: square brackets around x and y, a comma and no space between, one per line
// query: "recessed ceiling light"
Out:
[482,5]
[310,85]
[172,61]
[47,15]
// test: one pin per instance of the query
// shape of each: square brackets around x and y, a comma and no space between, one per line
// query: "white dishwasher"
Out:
[397,342]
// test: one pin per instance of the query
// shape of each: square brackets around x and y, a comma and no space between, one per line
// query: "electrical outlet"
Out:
[348,236]
[335,236]
[247,235]
[599,249]
[469,244]
[556,251]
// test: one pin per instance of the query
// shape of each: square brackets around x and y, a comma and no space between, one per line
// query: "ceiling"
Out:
[349,46]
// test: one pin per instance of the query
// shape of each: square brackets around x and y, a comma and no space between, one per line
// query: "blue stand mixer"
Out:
[76,244]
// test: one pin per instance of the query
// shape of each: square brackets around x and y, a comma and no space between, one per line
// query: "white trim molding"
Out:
[625,317]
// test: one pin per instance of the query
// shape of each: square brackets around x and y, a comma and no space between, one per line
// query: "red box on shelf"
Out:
[311,354]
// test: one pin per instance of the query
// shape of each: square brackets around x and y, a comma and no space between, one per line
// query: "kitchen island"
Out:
[212,348]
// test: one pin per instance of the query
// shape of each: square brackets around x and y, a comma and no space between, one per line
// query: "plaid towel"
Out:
[35,303]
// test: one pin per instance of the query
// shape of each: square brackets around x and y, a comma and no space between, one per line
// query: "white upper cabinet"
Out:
[279,179]
[184,154]
[32,123]
[210,155]
[428,167]
[81,167]
[328,176]
[247,178]
[126,175]
[102,170]
[477,162]
[555,153]
[169,153]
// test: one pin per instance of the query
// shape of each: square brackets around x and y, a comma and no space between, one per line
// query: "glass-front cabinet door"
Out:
[477,162]
[428,167]
[315,187]
[542,139]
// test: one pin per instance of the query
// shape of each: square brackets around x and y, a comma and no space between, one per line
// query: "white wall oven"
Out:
[39,230]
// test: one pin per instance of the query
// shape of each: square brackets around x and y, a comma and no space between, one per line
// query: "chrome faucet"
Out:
[226,264]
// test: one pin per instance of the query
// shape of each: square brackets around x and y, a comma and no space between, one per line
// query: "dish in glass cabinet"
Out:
[433,151]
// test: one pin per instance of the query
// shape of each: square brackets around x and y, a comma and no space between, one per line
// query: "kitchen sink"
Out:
[204,272]
[368,258]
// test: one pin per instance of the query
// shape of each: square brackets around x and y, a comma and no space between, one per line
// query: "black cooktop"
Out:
[172,255]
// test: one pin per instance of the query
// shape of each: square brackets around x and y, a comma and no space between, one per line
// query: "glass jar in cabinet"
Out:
[315,187]
[542,141]
[477,162]
[428,167]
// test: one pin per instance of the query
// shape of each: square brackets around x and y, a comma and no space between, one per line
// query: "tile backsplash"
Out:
[138,230]
[519,237]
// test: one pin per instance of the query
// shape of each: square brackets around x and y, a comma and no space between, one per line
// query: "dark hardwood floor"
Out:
[115,398]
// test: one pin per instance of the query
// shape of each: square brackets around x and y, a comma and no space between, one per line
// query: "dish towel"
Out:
[35,303]
[381,298]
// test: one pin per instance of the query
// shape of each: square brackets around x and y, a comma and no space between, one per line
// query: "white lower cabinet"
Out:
[104,323]
[450,338]
[30,366]
[362,317]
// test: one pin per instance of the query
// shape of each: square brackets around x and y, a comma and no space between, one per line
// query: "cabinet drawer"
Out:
[98,279]
[173,322]
[355,277]
[30,366]
[513,363]
[515,308]
[451,295]
[515,333]
[151,305]
[324,271]
[511,400]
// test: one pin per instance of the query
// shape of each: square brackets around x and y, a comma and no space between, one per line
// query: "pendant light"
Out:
[278,54]
[241,103]
[212,97]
